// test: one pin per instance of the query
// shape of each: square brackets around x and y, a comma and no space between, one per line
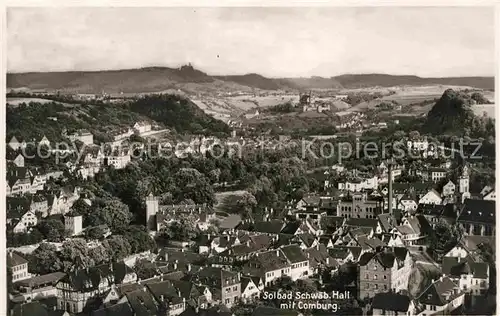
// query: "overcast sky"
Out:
[276,42]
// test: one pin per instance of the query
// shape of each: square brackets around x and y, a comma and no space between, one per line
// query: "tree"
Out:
[414,134]
[117,247]
[45,259]
[139,239]
[111,212]
[75,255]
[443,239]
[99,254]
[93,233]
[53,230]
[245,204]
[182,230]
[145,269]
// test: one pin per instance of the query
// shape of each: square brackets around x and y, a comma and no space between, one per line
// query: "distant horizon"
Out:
[249,73]
[287,42]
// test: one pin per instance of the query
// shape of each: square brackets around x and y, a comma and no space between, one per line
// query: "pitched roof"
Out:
[294,254]
[122,309]
[391,302]
[142,303]
[30,309]
[271,311]
[440,292]
[479,211]
[456,267]
[13,259]
[362,222]
[52,278]
[230,222]
[269,227]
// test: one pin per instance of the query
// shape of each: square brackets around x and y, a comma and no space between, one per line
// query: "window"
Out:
[235,288]
[367,276]
[375,277]
[385,277]
[376,286]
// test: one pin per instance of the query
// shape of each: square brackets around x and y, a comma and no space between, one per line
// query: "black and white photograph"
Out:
[300,160]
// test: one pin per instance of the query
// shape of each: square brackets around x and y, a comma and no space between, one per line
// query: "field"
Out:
[17,101]
[480,109]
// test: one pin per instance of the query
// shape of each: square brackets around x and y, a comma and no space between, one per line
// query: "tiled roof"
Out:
[456,267]
[142,303]
[13,259]
[122,309]
[391,302]
[294,254]
[42,279]
[478,211]
[440,292]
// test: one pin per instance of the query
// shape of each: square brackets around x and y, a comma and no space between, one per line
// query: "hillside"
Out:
[154,79]
[178,113]
[35,119]
[453,113]
[382,80]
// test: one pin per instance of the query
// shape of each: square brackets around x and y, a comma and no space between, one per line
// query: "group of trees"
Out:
[50,229]
[76,254]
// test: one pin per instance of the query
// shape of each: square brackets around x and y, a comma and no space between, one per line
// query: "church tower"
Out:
[463,184]
[152,207]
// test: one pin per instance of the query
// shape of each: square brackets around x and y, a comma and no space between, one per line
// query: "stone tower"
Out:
[152,207]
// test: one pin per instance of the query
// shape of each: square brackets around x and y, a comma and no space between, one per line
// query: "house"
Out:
[477,217]
[470,276]
[44,141]
[80,287]
[384,270]
[357,185]
[250,288]
[437,174]
[297,260]
[35,308]
[119,159]
[40,286]
[83,136]
[18,267]
[469,246]
[441,296]
[413,230]
[359,205]
[18,180]
[227,282]
[168,297]
[142,127]
[449,189]
[320,259]
[419,144]
[16,145]
[490,195]
[22,221]
[17,159]
[391,303]
[269,265]
[433,197]
[407,203]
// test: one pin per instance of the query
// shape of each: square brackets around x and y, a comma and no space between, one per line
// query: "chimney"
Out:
[308,255]
[327,260]
[277,253]
[162,298]
[390,187]
[317,246]
[189,267]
